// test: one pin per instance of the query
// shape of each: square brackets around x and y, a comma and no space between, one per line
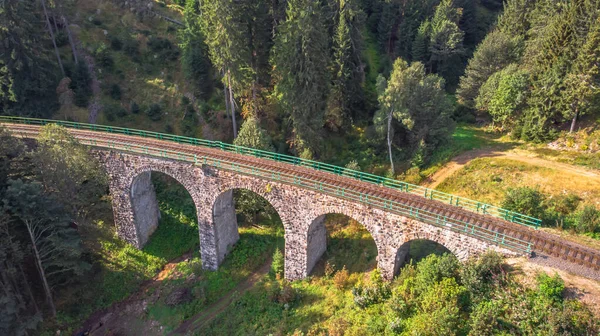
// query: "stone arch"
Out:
[225,219]
[142,197]
[316,236]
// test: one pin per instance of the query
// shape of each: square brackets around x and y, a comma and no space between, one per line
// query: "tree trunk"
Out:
[226,97]
[29,291]
[232,104]
[389,141]
[71,41]
[62,69]
[574,121]
[41,270]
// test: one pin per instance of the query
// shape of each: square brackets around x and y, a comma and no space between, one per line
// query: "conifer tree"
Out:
[347,89]
[300,58]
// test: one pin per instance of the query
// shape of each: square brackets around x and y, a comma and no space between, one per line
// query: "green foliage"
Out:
[587,220]
[505,105]
[115,91]
[418,103]
[494,53]
[104,58]
[346,95]
[81,84]
[376,291]
[551,288]
[525,200]
[134,107]
[194,58]
[154,112]
[28,77]
[300,55]
[69,172]
[277,264]
[116,43]
[163,48]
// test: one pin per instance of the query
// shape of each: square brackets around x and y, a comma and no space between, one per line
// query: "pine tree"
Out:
[582,83]
[194,58]
[446,38]
[226,36]
[300,58]
[347,90]
[27,77]
[420,47]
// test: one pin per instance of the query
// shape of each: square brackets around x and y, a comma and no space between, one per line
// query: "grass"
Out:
[120,268]
[487,179]
[465,138]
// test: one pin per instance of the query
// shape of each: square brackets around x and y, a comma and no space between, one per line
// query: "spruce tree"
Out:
[347,89]
[300,58]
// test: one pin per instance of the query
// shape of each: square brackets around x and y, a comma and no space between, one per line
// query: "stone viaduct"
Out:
[302,212]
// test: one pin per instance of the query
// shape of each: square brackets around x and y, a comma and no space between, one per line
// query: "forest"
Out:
[374,85]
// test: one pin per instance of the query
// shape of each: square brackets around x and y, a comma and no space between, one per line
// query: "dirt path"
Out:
[212,311]
[517,155]
[127,317]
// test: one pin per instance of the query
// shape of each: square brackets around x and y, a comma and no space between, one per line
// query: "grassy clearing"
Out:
[487,179]
[589,160]
[465,138]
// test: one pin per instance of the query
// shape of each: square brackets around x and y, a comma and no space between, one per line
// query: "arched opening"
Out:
[337,241]
[164,214]
[248,229]
[415,250]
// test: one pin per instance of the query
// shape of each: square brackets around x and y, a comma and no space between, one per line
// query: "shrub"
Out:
[61,39]
[154,112]
[113,111]
[277,263]
[340,279]
[329,269]
[163,47]
[131,48]
[551,287]
[375,292]
[288,293]
[116,43]
[104,58]
[134,107]
[169,129]
[525,200]
[115,91]
[587,220]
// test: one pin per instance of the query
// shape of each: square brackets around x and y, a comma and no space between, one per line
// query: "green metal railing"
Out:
[445,222]
[432,194]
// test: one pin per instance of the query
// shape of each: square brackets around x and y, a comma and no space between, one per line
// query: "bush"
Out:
[104,58]
[163,48]
[115,91]
[551,287]
[169,129]
[340,279]
[116,43]
[134,108]
[525,200]
[277,264]
[375,292]
[113,111]
[154,112]
[131,48]
[587,220]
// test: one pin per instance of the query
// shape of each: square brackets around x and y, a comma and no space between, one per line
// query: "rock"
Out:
[105,32]
[179,296]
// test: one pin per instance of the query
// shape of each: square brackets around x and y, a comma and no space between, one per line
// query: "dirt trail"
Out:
[517,155]
[210,312]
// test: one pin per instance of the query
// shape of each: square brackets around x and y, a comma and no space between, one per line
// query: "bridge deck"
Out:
[513,234]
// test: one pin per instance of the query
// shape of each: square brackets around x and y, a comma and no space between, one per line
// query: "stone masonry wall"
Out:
[298,209]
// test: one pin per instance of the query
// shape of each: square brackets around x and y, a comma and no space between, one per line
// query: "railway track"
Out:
[541,242]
